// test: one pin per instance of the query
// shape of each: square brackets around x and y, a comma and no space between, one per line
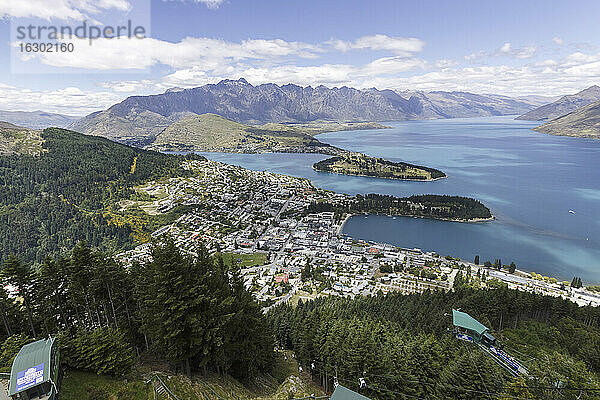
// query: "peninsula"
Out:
[362,165]
[442,207]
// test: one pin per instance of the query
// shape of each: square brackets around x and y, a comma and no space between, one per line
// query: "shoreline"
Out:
[518,272]
[462,221]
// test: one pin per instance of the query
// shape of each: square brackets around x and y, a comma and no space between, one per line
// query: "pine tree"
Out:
[19,275]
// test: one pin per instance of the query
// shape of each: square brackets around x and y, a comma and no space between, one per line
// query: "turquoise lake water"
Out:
[529,180]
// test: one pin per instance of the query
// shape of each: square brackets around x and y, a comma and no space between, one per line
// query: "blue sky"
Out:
[515,48]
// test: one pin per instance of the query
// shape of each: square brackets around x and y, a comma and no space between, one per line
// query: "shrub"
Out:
[103,351]
[9,349]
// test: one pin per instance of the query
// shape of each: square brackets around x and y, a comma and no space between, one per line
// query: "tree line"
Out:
[188,309]
[427,205]
[402,347]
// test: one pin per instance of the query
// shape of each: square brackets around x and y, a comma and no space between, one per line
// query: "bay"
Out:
[544,190]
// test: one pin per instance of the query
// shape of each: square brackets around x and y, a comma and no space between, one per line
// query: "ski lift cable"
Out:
[349,384]
[506,396]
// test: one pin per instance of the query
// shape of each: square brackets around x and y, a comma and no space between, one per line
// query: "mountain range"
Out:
[583,122]
[140,119]
[563,106]
[36,119]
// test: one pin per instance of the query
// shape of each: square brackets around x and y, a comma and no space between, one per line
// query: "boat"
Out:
[572,212]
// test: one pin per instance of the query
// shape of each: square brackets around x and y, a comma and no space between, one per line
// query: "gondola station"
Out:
[470,330]
[343,393]
[35,372]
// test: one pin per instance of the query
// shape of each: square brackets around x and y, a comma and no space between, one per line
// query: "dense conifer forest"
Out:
[190,311]
[402,346]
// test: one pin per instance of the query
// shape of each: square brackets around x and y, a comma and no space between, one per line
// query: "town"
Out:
[260,222]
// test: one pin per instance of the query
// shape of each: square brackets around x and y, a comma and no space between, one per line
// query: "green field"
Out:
[244,260]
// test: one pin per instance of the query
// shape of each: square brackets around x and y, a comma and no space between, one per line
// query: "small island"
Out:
[362,165]
[442,207]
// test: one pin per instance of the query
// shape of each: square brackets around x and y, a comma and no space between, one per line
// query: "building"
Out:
[35,372]
[343,393]
[469,329]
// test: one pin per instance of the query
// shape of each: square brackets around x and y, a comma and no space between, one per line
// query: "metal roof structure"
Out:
[343,393]
[31,366]
[464,320]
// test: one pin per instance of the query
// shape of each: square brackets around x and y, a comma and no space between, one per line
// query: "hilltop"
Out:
[139,119]
[36,119]
[19,140]
[211,132]
[584,122]
[63,188]
[564,105]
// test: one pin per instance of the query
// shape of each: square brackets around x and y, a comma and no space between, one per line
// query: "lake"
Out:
[529,180]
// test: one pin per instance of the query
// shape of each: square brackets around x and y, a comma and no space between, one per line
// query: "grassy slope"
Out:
[209,132]
[285,381]
[584,122]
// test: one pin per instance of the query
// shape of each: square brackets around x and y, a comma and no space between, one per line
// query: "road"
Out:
[284,299]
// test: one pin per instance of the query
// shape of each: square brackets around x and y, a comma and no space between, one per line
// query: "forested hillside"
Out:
[401,345]
[67,193]
[189,311]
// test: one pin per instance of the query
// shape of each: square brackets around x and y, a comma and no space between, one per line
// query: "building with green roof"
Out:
[35,372]
[468,328]
[343,393]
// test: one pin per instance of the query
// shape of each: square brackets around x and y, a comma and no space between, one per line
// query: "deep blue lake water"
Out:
[529,180]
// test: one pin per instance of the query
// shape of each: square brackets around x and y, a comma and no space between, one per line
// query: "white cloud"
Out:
[446,63]
[205,53]
[396,45]
[69,100]
[331,75]
[558,41]
[585,70]
[59,9]
[503,79]
[213,4]
[391,65]
[505,48]
[577,58]
[210,3]
[129,86]
[325,74]
[525,52]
